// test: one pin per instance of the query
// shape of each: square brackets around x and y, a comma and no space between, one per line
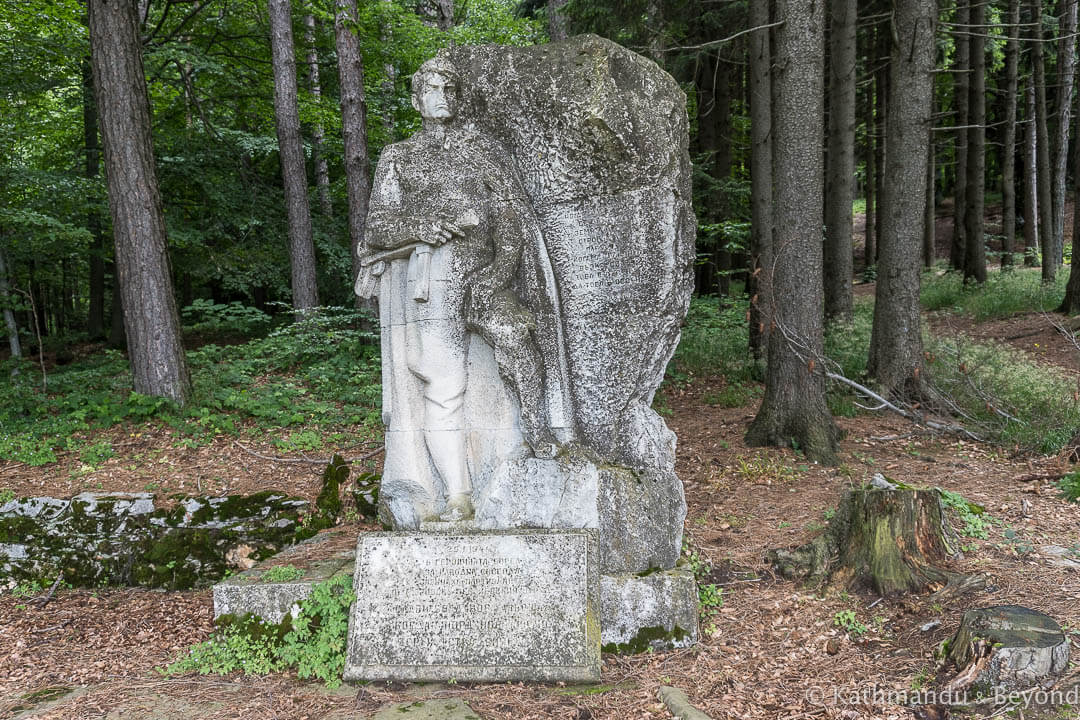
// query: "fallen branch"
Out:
[887,405]
[1042,476]
[43,600]
[310,461]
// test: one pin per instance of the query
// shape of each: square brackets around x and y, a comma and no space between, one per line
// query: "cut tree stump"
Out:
[892,541]
[1008,647]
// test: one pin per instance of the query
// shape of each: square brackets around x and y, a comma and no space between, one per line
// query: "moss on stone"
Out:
[646,638]
[336,474]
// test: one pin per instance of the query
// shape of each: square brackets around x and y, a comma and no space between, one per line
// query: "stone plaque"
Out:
[492,606]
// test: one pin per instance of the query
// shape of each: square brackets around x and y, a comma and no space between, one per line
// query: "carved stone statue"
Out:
[447,225]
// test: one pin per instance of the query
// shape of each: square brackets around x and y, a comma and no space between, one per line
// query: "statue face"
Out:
[438,98]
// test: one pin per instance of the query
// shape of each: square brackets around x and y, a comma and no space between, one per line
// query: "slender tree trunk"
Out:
[151,321]
[556,20]
[839,264]
[759,286]
[975,196]
[318,153]
[1008,153]
[896,350]
[961,78]
[95,316]
[1042,135]
[436,13]
[929,238]
[353,126]
[793,411]
[1071,304]
[870,245]
[1031,185]
[9,316]
[291,151]
[1066,71]
[881,147]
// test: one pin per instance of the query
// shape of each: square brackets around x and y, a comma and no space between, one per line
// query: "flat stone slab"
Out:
[657,611]
[476,606]
[256,591]
[435,709]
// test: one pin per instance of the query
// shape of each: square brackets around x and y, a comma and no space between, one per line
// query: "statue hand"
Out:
[442,232]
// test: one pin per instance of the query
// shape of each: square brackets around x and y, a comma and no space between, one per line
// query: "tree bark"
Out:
[961,78]
[291,152]
[95,316]
[881,147]
[759,285]
[839,264]
[318,154]
[1042,146]
[929,236]
[975,194]
[557,21]
[1070,305]
[9,315]
[1031,191]
[896,350]
[151,322]
[1008,153]
[353,126]
[870,235]
[793,411]
[1066,71]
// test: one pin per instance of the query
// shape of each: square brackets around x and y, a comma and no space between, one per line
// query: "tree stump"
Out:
[890,540]
[1008,647]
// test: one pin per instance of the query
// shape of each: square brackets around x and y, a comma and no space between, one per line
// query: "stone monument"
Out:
[531,248]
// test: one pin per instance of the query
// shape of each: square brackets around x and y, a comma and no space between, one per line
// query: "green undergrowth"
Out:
[313,643]
[1018,289]
[714,342]
[313,375]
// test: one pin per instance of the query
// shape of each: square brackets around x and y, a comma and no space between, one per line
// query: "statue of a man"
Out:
[445,232]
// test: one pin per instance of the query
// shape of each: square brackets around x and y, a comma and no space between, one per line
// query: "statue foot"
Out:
[458,507]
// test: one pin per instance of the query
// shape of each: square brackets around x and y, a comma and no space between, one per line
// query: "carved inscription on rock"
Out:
[494,606]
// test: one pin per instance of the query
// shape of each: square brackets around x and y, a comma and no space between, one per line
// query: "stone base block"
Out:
[272,594]
[658,610]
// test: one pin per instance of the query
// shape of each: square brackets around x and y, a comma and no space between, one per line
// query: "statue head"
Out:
[434,90]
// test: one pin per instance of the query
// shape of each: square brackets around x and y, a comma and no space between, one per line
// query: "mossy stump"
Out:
[1008,647]
[893,541]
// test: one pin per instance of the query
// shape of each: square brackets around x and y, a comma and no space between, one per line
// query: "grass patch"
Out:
[319,373]
[1003,294]
[714,341]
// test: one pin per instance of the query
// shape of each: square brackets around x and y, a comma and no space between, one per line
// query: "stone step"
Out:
[273,588]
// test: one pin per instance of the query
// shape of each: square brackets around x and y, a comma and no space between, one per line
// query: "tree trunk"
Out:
[1031,185]
[838,261]
[975,195]
[291,152]
[759,285]
[95,316]
[929,235]
[9,316]
[117,337]
[881,147]
[353,126]
[1066,70]
[1008,153]
[961,79]
[793,412]
[436,13]
[714,140]
[152,324]
[896,350]
[1042,136]
[318,155]
[556,20]
[892,541]
[1070,305]
[870,246]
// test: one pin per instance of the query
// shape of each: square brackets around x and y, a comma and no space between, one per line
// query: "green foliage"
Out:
[714,340]
[6,495]
[1003,293]
[282,574]
[1070,486]
[313,642]
[733,395]
[847,620]
[234,317]
[320,372]
[974,521]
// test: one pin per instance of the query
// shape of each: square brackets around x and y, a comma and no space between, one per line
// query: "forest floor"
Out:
[773,649]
